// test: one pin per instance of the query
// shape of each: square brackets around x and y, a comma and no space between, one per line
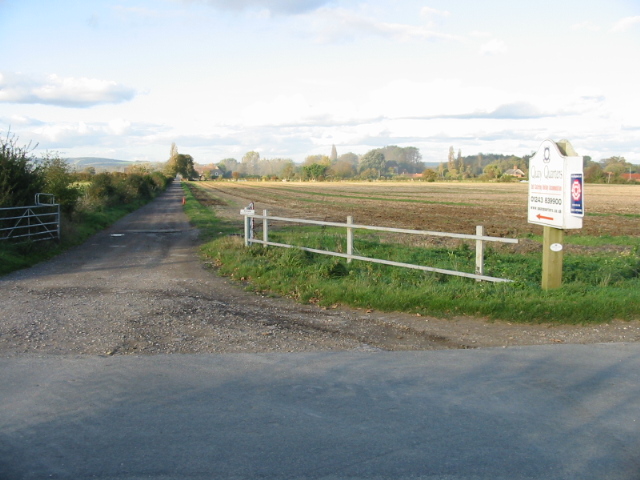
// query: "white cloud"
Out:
[493,47]
[61,91]
[432,12]
[588,26]
[626,24]
[274,6]
[339,24]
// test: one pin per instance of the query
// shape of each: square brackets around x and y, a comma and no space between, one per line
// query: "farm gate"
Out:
[34,222]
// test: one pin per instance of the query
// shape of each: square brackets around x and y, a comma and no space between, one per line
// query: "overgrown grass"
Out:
[597,287]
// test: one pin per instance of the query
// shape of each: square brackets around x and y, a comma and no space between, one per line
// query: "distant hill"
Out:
[104,164]
[81,163]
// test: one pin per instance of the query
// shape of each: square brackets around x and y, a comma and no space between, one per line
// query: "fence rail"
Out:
[479,238]
[34,222]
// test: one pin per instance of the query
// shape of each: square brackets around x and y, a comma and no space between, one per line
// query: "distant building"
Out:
[515,172]
[631,176]
[208,171]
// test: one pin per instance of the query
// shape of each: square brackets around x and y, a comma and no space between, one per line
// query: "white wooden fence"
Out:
[479,238]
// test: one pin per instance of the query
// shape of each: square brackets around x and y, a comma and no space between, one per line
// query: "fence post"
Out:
[479,251]
[59,222]
[247,229]
[349,238]
[265,229]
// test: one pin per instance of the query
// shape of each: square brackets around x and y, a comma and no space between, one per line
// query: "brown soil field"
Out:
[612,210]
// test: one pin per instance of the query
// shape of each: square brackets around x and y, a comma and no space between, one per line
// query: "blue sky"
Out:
[290,78]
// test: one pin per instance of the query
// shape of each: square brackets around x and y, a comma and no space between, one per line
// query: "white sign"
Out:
[555,188]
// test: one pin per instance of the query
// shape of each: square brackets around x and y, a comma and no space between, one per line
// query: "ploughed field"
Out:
[501,208]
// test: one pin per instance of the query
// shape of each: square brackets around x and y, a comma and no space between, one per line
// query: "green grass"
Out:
[597,288]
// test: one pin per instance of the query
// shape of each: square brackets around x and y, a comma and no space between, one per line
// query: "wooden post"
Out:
[552,256]
[265,228]
[479,252]
[349,238]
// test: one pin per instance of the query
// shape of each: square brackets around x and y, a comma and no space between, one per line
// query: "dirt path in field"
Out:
[140,288]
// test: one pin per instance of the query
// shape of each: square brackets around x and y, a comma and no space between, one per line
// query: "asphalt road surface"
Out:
[542,412]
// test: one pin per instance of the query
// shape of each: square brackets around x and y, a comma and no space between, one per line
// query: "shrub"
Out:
[20,179]
[59,181]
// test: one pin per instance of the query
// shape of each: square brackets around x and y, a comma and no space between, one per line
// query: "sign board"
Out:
[556,188]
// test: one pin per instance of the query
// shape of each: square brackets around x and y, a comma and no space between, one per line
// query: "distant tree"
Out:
[615,165]
[479,164]
[451,159]
[288,171]
[250,163]
[404,159]
[315,171]
[334,154]
[349,157]
[184,166]
[593,173]
[173,152]
[372,160]
[319,159]
[230,165]
[429,175]
[492,171]
[370,174]
[342,169]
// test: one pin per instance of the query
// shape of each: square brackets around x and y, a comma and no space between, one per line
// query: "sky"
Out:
[290,78]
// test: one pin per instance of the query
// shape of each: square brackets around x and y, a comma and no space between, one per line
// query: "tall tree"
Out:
[184,166]
[250,163]
[334,154]
[173,153]
[374,159]
[451,158]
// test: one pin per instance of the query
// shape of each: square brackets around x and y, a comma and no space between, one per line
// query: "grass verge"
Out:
[597,287]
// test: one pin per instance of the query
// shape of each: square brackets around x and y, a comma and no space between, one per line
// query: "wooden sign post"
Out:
[556,201]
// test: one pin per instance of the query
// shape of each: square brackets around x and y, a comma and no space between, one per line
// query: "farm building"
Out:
[515,172]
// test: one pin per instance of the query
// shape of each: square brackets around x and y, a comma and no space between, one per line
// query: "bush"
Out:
[20,179]
[59,181]
[102,189]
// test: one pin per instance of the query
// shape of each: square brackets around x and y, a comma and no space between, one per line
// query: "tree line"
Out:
[390,162]
[22,176]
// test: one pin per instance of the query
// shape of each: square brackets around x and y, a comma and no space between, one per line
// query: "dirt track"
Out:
[140,288]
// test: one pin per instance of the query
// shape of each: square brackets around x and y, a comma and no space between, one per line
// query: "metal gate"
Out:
[35,222]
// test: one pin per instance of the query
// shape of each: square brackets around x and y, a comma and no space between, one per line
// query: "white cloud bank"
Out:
[61,91]
[627,24]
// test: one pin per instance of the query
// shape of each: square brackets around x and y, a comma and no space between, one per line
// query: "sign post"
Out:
[556,201]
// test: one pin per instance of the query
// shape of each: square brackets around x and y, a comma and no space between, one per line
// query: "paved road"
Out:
[544,412]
